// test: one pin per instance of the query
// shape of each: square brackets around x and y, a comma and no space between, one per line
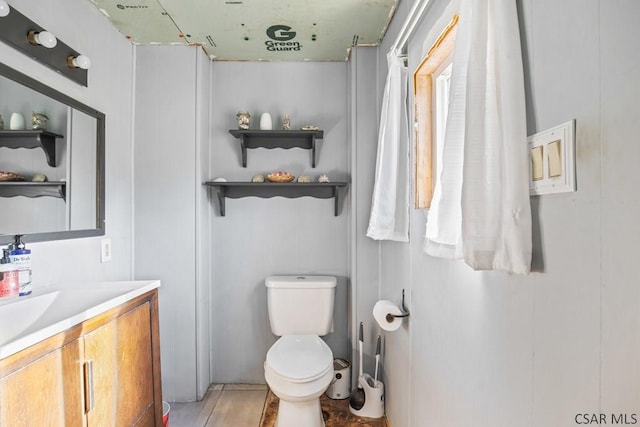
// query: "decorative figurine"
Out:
[243,120]
[258,178]
[304,178]
[265,122]
[1,122]
[323,178]
[39,121]
[16,122]
[286,122]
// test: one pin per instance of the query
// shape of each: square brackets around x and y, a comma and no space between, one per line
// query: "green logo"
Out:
[280,33]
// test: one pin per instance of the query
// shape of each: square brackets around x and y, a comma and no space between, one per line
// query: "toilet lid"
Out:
[300,357]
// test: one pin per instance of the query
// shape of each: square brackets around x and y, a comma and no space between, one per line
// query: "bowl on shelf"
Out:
[280,176]
[10,176]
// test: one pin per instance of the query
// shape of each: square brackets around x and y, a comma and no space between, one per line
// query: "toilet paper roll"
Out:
[380,311]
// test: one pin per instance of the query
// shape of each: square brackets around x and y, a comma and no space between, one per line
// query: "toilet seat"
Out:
[300,358]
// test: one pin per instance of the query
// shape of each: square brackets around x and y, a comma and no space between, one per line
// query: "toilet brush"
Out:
[375,376]
[357,396]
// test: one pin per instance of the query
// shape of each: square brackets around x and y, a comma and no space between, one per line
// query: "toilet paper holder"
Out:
[405,312]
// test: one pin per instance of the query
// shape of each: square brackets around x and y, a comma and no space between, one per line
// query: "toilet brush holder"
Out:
[373,398]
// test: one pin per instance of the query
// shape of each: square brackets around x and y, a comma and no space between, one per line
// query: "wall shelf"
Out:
[277,139]
[236,190]
[32,139]
[33,189]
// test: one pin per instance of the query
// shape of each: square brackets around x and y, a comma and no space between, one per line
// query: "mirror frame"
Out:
[31,83]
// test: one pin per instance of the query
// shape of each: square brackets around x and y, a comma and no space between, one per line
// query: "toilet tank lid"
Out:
[309,282]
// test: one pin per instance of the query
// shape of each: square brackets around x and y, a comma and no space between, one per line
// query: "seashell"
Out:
[243,118]
[304,178]
[323,178]
[39,178]
[39,121]
[258,178]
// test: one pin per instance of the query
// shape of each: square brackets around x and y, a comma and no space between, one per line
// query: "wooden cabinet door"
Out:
[121,355]
[46,392]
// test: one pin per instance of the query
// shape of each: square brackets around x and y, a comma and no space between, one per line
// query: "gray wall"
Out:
[262,237]
[364,252]
[171,138]
[492,349]
[110,90]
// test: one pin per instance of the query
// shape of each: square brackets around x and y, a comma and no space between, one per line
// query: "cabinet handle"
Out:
[88,386]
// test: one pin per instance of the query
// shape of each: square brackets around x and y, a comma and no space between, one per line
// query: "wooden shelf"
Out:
[277,139]
[32,139]
[236,190]
[33,189]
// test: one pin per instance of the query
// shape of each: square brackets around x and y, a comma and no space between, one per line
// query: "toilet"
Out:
[299,365]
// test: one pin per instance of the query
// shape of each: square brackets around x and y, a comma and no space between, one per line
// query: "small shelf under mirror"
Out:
[277,139]
[235,190]
[33,189]
[32,139]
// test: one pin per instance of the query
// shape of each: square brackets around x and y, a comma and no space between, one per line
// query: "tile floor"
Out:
[229,405]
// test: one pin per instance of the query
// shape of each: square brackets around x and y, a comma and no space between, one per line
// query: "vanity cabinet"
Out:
[45,391]
[104,371]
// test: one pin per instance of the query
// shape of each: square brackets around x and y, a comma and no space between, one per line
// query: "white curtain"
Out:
[481,209]
[389,218]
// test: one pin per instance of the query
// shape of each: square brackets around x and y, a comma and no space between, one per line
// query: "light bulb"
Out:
[80,61]
[43,38]
[4,8]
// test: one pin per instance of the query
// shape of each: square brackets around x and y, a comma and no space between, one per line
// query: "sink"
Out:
[28,320]
[17,317]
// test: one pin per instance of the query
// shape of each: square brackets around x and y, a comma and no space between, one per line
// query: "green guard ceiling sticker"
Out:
[287,30]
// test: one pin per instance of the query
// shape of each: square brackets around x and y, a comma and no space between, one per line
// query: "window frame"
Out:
[436,60]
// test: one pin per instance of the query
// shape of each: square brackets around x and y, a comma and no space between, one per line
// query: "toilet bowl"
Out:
[298,369]
[299,365]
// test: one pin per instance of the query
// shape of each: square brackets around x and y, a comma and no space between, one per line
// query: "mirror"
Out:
[69,152]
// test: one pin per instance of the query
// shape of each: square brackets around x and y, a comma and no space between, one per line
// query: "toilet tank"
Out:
[300,305]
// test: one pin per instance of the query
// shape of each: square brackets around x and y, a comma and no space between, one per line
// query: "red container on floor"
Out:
[165,413]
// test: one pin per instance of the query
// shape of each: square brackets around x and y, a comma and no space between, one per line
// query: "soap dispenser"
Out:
[20,257]
[9,284]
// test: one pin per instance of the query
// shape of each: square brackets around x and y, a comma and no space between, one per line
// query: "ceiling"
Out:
[255,30]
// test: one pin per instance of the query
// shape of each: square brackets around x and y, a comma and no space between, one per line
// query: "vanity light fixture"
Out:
[42,38]
[4,8]
[80,61]
[29,38]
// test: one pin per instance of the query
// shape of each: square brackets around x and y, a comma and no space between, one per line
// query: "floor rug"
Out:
[335,412]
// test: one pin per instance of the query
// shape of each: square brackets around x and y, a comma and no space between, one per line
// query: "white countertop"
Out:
[25,321]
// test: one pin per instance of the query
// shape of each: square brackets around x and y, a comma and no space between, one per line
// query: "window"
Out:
[431,96]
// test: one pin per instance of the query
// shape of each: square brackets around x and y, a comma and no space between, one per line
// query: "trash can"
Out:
[340,385]
[165,413]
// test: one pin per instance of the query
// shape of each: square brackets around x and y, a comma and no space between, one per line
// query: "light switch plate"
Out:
[105,251]
[558,160]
